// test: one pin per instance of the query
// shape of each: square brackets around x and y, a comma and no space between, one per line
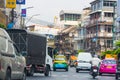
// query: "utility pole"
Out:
[113,25]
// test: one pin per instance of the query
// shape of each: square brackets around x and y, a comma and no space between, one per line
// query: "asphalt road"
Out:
[71,75]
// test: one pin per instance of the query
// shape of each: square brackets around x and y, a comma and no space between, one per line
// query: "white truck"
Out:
[34,48]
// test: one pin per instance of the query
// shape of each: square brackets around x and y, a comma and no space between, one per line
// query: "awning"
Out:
[69,29]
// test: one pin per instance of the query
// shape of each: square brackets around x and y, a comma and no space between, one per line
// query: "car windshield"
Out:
[109,61]
[59,58]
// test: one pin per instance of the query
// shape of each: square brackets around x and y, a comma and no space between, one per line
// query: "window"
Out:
[3,43]
[108,3]
[10,48]
[108,14]
[109,43]
[109,29]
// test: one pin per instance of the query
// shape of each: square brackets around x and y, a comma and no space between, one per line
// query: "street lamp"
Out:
[31,18]
[22,18]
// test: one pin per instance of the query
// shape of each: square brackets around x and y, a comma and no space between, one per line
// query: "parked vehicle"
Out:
[108,66]
[60,62]
[83,61]
[35,50]
[94,71]
[12,63]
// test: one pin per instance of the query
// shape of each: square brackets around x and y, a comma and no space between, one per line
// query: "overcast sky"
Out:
[50,8]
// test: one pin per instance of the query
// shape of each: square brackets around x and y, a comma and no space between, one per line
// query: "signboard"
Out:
[10,3]
[20,1]
[23,12]
[2,4]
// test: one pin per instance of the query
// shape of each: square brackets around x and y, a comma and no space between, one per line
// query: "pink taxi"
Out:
[108,66]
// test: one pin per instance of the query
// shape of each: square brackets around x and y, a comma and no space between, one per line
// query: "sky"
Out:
[47,9]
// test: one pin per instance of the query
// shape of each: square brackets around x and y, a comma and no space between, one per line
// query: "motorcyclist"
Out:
[95,62]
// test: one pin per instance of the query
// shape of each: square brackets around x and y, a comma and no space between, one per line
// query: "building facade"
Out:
[70,18]
[100,29]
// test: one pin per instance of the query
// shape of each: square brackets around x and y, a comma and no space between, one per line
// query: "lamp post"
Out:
[31,18]
[22,22]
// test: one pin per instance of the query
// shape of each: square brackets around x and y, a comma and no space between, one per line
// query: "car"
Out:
[60,62]
[83,61]
[12,63]
[107,66]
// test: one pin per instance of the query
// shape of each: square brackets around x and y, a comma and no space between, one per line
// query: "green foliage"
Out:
[117,43]
[2,26]
[107,52]
[80,51]
[117,51]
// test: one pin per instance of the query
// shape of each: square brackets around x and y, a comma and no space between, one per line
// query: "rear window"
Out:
[109,62]
[59,59]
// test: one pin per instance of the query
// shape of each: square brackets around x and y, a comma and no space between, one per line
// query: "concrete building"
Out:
[117,25]
[82,29]
[99,31]
[70,18]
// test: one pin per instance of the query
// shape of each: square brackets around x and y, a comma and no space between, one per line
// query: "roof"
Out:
[69,12]
[69,29]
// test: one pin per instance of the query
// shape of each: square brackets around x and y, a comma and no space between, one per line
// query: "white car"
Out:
[83,61]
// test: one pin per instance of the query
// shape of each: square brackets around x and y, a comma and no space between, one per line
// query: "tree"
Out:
[117,43]
[2,26]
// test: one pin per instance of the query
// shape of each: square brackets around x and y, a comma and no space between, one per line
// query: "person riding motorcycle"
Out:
[95,62]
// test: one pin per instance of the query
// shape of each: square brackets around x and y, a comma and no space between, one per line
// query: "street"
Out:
[71,75]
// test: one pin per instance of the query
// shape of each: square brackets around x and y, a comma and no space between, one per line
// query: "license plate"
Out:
[109,67]
[94,70]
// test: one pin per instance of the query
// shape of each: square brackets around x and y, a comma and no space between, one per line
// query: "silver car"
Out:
[12,63]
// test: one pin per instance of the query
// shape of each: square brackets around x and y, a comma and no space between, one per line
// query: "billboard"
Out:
[10,3]
[20,1]
[23,12]
[2,4]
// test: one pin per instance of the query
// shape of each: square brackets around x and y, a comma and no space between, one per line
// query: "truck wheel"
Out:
[8,74]
[32,72]
[116,76]
[47,70]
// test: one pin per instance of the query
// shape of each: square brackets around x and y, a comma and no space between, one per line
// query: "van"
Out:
[12,63]
[83,61]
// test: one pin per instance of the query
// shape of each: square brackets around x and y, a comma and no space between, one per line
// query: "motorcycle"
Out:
[94,71]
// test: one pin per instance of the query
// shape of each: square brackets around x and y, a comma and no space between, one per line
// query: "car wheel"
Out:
[77,71]
[116,76]
[54,69]
[66,69]
[100,74]
[8,74]
[24,76]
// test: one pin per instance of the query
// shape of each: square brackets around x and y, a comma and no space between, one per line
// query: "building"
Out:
[100,29]
[82,29]
[70,18]
[117,22]
[71,21]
